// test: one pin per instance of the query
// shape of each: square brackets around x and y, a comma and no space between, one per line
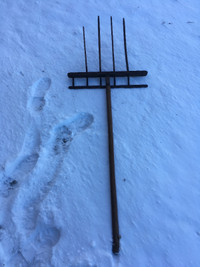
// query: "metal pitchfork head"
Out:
[107,75]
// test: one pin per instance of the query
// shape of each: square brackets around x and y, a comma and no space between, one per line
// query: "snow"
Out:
[54,179]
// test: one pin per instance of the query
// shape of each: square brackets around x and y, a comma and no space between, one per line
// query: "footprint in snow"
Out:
[25,239]
[36,99]
[27,158]
[14,173]
[26,209]
[63,133]
[48,167]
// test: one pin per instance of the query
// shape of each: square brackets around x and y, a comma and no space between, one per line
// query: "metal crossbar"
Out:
[104,76]
[111,86]
[135,73]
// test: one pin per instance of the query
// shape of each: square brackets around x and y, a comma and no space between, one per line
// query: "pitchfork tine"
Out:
[125,48]
[113,53]
[85,53]
[99,46]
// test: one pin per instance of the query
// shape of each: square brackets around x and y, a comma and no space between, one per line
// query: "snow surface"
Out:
[54,180]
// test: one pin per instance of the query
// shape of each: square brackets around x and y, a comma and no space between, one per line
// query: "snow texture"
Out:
[54,167]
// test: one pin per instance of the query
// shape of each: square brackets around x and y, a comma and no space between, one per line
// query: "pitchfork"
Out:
[107,75]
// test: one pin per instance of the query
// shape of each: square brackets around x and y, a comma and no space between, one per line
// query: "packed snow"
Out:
[54,167]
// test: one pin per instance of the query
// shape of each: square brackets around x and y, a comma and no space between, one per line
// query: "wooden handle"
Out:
[115,224]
